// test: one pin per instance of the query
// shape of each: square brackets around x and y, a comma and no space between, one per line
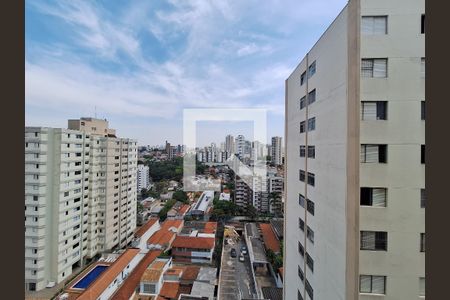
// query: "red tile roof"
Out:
[210,227]
[193,242]
[190,273]
[170,290]
[129,286]
[182,211]
[143,229]
[164,236]
[270,239]
[105,279]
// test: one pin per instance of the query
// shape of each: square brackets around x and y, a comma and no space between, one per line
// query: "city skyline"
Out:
[122,67]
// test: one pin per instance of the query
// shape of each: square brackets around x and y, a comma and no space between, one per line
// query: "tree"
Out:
[251,211]
[275,202]
[181,196]
[163,213]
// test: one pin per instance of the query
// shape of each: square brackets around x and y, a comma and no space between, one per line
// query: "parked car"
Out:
[244,250]
[233,252]
[241,258]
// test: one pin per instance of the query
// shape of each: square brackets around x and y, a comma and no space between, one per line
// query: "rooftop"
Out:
[207,274]
[169,289]
[272,293]
[105,279]
[203,289]
[163,237]
[193,242]
[129,286]
[277,225]
[270,240]
[143,229]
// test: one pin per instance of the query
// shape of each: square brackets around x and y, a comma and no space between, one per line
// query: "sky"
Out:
[140,63]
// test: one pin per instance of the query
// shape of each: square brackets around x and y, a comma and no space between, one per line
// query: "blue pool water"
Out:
[90,277]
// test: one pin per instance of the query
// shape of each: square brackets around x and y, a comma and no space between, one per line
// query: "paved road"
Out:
[235,281]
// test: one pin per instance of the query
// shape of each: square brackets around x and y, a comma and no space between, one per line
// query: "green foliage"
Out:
[223,209]
[251,211]
[140,207]
[163,213]
[166,170]
[181,196]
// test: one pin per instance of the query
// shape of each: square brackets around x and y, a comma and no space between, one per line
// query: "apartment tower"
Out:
[143,177]
[80,197]
[276,150]
[355,158]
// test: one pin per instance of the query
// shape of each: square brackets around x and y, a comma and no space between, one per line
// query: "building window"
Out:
[374,67]
[301,249]
[310,262]
[374,110]
[302,126]
[372,284]
[422,154]
[422,286]
[422,110]
[301,274]
[422,242]
[422,198]
[309,289]
[422,24]
[302,102]
[373,197]
[302,151]
[302,175]
[299,295]
[310,234]
[312,69]
[302,78]
[422,67]
[310,206]
[373,153]
[312,97]
[301,200]
[312,124]
[374,240]
[311,151]
[301,224]
[311,179]
[371,25]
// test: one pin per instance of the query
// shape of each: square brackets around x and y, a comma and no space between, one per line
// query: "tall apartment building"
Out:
[80,197]
[240,145]
[276,150]
[355,172]
[229,144]
[143,177]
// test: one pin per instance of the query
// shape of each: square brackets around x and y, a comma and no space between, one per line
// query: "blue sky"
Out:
[140,63]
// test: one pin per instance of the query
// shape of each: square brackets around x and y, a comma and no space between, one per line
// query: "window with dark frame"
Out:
[374,110]
[422,24]
[301,224]
[302,151]
[375,197]
[302,126]
[301,275]
[302,175]
[312,124]
[374,67]
[374,240]
[311,179]
[302,78]
[422,242]
[372,284]
[310,262]
[301,200]
[301,249]
[302,102]
[311,151]
[371,153]
[422,154]
[312,69]
[312,97]
[310,234]
[309,289]
[310,206]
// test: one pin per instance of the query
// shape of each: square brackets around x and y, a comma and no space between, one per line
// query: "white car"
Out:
[241,258]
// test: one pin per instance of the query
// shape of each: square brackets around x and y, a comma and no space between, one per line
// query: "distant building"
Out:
[276,153]
[230,144]
[143,177]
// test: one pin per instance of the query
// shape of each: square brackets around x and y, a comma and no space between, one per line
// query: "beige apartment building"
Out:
[355,158]
[80,197]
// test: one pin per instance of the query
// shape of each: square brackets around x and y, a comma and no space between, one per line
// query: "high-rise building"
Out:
[229,144]
[80,197]
[355,160]
[143,177]
[276,150]
[240,145]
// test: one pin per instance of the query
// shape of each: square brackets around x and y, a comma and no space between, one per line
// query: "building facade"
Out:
[355,162]
[80,197]
[143,177]
[275,149]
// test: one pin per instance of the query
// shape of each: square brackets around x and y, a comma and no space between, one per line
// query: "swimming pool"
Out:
[90,277]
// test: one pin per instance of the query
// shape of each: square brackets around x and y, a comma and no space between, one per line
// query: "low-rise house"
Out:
[224,196]
[169,291]
[163,238]
[271,241]
[152,281]
[193,249]
[144,232]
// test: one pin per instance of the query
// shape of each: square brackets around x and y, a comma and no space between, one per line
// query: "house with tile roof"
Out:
[164,237]
[193,249]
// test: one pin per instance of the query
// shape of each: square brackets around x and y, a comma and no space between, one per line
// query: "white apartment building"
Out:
[275,149]
[355,172]
[143,177]
[229,144]
[80,197]
[240,145]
